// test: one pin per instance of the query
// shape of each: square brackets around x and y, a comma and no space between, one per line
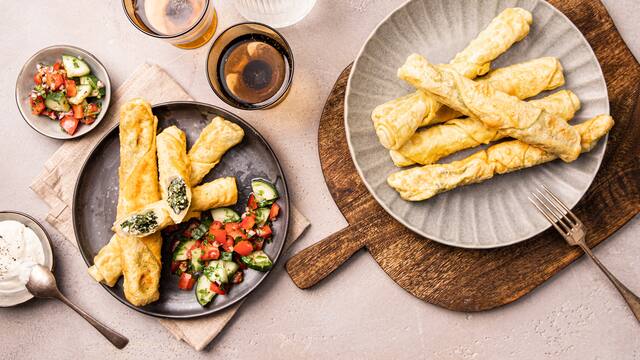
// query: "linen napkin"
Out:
[56,183]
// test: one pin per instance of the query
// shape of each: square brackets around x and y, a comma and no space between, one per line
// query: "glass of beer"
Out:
[187,24]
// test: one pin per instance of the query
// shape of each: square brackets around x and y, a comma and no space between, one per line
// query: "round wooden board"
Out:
[474,280]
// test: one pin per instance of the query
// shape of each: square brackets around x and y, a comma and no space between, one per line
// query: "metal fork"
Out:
[573,231]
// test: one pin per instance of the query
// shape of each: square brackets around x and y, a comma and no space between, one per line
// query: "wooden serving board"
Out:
[474,280]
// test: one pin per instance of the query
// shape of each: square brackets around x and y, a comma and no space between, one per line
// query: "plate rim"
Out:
[398,217]
[228,116]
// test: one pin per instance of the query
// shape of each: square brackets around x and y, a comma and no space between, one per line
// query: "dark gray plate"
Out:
[96,194]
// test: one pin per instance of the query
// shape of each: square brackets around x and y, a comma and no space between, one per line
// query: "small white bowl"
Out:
[18,297]
[24,85]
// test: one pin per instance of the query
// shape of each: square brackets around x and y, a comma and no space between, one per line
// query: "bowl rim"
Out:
[47,246]
[288,81]
[472,246]
[105,104]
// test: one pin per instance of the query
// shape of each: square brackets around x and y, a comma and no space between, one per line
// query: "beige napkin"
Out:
[56,183]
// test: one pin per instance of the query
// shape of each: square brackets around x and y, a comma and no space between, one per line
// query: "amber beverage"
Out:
[187,24]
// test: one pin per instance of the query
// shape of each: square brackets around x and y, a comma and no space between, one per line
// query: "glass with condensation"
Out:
[187,24]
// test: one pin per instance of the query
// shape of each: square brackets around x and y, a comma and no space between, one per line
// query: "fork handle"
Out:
[632,299]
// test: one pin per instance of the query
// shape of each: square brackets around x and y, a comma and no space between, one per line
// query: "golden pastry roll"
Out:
[432,144]
[497,110]
[154,217]
[138,186]
[421,183]
[394,125]
[214,141]
[174,167]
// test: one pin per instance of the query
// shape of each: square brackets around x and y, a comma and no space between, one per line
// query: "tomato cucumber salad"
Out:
[67,92]
[211,252]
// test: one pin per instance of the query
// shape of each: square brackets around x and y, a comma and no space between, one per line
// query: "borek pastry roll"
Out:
[396,120]
[175,172]
[432,144]
[497,110]
[154,217]
[214,141]
[421,183]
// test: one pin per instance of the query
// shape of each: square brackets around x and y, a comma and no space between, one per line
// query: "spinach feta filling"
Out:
[177,195]
[140,223]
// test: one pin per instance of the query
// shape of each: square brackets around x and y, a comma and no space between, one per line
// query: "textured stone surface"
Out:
[358,312]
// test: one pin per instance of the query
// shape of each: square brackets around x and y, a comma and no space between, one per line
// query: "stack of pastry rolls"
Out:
[158,183]
[450,112]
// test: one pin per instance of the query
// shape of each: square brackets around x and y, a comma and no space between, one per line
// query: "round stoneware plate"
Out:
[11,298]
[496,212]
[96,196]
[24,85]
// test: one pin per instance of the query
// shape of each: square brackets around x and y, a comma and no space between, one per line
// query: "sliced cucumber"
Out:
[216,272]
[262,215]
[230,267]
[224,215]
[98,93]
[264,192]
[196,263]
[57,101]
[180,253]
[226,256]
[92,80]
[82,92]
[203,291]
[74,66]
[199,231]
[257,260]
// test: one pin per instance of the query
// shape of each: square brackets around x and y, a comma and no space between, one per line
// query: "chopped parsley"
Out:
[140,223]
[177,195]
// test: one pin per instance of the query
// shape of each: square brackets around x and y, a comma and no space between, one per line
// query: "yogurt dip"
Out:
[20,250]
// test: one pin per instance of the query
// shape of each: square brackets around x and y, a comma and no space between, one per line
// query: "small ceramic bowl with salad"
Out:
[63,92]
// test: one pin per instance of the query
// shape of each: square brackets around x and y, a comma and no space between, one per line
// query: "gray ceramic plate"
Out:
[24,84]
[497,212]
[96,195]
[18,297]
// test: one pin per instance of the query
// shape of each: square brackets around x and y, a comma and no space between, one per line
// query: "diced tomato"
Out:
[88,120]
[238,277]
[228,244]
[70,85]
[216,289]
[78,111]
[210,252]
[234,231]
[37,78]
[243,248]
[216,225]
[69,124]
[248,222]
[186,281]
[55,81]
[50,113]
[265,231]
[57,65]
[220,236]
[252,204]
[198,244]
[273,213]
[174,266]
[37,105]
[92,109]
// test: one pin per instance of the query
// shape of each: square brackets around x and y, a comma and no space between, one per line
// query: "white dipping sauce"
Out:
[20,249]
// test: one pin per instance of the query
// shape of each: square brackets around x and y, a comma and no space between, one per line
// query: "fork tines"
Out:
[554,210]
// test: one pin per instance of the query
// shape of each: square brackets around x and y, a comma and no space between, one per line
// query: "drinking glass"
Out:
[187,24]
[276,13]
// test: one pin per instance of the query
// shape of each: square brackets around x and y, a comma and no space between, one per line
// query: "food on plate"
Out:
[20,250]
[424,182]
[214,141]
[514,117]
[67,92]
[397,120]
[175,172]
[211,252]
[138,187]
[156,216]
[431,144]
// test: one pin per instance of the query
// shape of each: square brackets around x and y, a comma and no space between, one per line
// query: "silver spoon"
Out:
[42,284]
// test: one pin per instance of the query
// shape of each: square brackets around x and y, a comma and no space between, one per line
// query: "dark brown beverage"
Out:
[253,69]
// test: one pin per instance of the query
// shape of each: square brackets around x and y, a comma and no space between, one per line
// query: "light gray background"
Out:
[356,313]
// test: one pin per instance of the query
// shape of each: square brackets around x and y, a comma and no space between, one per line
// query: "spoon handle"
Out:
[114,337]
